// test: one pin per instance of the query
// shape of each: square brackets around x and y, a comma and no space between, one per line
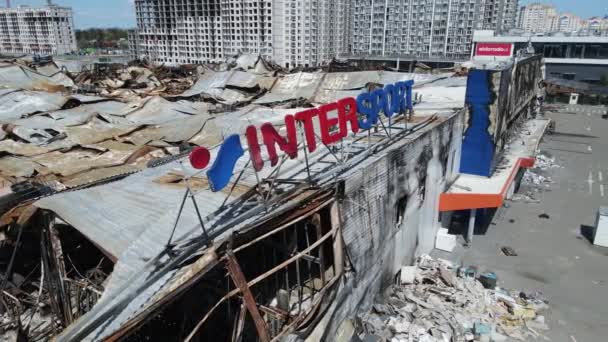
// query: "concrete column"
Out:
[471,227]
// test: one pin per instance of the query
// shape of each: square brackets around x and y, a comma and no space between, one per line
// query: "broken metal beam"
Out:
[284,250]
[241,283]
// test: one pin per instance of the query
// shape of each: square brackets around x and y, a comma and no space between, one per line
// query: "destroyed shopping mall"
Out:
[241,201]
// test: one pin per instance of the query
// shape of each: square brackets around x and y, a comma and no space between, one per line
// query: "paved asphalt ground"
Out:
[553,256]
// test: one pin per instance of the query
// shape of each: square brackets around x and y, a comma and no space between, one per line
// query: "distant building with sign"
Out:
[429,28]
[45,30]
[570,57]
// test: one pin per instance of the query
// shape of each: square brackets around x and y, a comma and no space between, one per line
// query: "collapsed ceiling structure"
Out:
[94,165]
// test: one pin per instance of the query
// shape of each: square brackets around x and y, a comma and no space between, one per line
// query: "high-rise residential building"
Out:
[426,28]
[134,49]
[291,32]
[597,25]
[538,18]
[568,22]
[45,30]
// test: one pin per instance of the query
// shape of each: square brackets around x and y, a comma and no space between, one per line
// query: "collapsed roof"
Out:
[65,140]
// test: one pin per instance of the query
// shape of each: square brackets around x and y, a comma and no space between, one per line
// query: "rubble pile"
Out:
[128,82]
[537,178]
[436,302]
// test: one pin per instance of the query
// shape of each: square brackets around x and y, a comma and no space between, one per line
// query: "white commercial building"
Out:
[40,31]
[426,28]
[569,22]
[597,25]
[291,32]
[571,57]
[538,18]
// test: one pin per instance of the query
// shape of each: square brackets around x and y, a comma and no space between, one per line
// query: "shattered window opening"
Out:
[57,276]
[287,271]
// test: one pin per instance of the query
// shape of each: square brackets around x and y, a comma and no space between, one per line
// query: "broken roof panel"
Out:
[21,149]
[17,167]
[70,163]
[174,131]
[16,105]
[207,82]
[214,83]
[136,208]
[350,80]
[156,110]
[246,61]
[95,131]
[243,79]
[442,95]
[293,86]
[70,117]
[390,77]
[13,75]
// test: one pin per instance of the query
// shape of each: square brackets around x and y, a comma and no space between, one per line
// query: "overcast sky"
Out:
[120,13]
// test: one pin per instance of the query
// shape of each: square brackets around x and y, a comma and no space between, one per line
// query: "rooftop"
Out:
[123,144]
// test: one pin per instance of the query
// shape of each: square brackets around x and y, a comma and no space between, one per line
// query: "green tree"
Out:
[94,37]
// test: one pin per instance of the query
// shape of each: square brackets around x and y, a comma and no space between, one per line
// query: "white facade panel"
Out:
[291,32]
[37,31]
[425,28]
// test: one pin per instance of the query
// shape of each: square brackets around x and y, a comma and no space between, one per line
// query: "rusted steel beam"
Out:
[283,226]
[237,332]
[316,221]
[257,280]
[276,312]
[239,280]
[283,249]
[338,246]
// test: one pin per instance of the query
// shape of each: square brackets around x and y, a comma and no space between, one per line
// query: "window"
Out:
[569,76]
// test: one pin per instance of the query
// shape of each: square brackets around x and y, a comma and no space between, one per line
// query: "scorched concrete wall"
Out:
[390,215]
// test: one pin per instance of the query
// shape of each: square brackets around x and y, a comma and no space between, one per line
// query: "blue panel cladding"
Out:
[220,172]
[477,145]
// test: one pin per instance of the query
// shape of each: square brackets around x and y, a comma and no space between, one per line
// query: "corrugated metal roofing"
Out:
[131,219]
[293,86]
[22,77]
[128,287]
[16,105]
[156,110]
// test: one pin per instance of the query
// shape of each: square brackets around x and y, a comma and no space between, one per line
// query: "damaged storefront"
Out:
[152,248]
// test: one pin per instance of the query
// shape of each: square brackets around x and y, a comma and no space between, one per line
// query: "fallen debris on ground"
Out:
[444,305]
[508,251]
[536,179]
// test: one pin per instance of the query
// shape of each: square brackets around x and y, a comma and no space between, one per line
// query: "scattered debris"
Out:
[488,280]
[536,179]
[544,216]
[526,198]
[508,251]
[443,306]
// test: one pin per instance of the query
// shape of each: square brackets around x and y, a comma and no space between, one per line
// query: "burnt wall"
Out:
[390,215]
[497,101]
[516,94]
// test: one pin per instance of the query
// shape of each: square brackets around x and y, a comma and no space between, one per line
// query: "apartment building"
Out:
[425,28]
[291,32]
[45,30]
[597,25]
[569,22]
[133,39]
[538,18]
